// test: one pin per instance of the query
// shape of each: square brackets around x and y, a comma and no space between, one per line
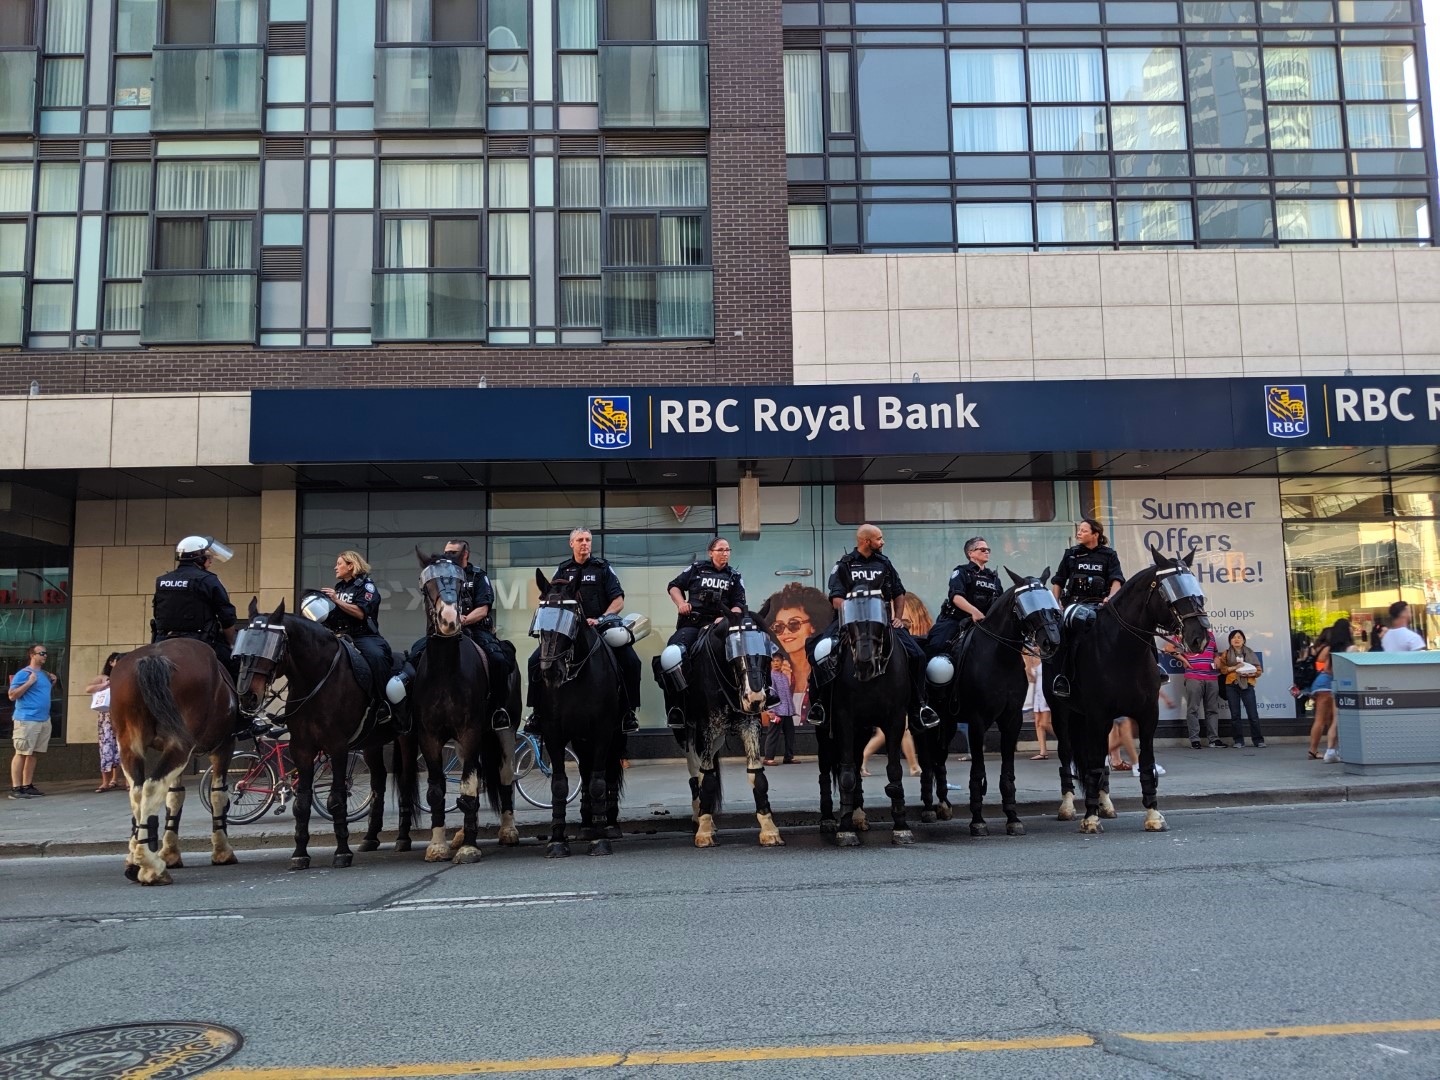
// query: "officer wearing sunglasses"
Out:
[973,588]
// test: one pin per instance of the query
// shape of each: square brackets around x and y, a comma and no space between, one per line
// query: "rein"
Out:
[1139,633]
[291,708]
[728,689]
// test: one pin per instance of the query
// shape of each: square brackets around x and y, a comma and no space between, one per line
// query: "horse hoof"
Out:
[612,832]
[402,844]
[601,847]
[979,828]
[132,872]
[162,878]
[1014,828]
[928,817]
[847,839]
[829,826]
[1091,827]
[467,853]
[1107,808]
[369,844]
[557,850]
[1154,822]
[902,838]
[859,821]
[705,840]
[228,859]
[300,862]
[342,861]
[1067,813]
[174,862]
[943,812]
[771,840]
[437,852]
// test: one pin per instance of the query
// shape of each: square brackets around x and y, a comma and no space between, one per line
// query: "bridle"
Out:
[744,644]
[861,610]
[441,582]
[1177,585]
[263,650]
[557,616]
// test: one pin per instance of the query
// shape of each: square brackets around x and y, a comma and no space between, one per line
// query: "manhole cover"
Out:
[159,1051]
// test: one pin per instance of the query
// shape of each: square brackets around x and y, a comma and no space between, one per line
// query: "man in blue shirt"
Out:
[30,691]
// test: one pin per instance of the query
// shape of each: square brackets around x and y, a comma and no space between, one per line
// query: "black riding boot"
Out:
[500,719]
[919,703]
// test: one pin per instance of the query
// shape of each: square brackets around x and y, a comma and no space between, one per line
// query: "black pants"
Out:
[1236,694]
[781,730]
[625,659]
[686,636]
[942,634]
[376,651]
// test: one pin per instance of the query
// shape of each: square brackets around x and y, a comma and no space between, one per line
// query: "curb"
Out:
[677,820]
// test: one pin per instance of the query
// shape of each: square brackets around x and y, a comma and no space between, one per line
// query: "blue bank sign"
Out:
[563,423]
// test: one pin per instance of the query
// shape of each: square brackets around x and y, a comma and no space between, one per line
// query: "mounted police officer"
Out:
[477,598]
[191,602]
[357,612]
[973,588]
[1089,574]
[702,593]
[866,568]
[600,594]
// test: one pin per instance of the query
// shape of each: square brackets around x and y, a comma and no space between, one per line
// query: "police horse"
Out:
[870,688]
[451,688]
[726,683]
[168,701]
[1114,674]
[578,702]
[980,680]
[330,706]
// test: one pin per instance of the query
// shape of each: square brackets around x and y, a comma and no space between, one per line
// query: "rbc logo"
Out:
[1287,415]
[610,422]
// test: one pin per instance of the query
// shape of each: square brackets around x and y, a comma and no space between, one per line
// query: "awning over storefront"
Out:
[926,421]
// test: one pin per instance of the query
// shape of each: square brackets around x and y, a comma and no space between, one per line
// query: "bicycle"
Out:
[257,781]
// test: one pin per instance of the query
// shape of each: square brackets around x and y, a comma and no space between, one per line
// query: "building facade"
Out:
[208,207]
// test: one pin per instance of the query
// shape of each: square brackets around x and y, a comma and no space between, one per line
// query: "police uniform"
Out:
[876,572]
[191,602]
[598,588]
[1085,574]
[712,592]
[977,584]
[364,630]
[1084,577]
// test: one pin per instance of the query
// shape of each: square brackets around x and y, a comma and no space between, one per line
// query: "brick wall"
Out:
[749,246]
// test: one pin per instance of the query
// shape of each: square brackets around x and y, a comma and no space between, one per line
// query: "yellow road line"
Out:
[658,1057]
[804,1053]
[1309,1031]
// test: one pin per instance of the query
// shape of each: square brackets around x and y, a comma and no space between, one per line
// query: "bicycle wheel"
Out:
[537,774]
[253,785]
[358,804]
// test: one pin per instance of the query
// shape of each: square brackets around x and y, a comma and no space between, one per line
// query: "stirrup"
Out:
[816,715]
[675,718]
[928,717]
[1060,687]
[630,723]
[500,719]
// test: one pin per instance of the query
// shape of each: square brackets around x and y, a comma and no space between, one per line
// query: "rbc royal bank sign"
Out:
[699,422]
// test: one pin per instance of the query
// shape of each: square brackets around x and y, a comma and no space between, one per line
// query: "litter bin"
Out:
[1388,708]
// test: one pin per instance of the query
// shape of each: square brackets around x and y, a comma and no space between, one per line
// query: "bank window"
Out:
[544,511]
[650,509]
[943,502]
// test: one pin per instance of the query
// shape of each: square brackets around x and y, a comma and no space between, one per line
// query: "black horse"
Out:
[987,686]
[729,683]
[452,685]
[871,690]
[325,709]
[577,703]
[1115,675]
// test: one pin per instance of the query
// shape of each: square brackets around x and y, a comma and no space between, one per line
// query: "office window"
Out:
[1225,99]
[1144,74]
[1154,222]
[1301,75]
[987,224]
[1392,219]
[901,100]
[803,129]
[1066,75]
[1074,223]
[1385,127]
[1069,128]
[1312,219]
[807,226]
[1305,127]
[1381,72]
[981,130]
[986,75]
[212,22]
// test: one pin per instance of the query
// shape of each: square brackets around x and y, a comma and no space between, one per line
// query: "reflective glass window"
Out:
[1225,99]
[1073,222]
[1235,219]
[901,99]
[982,224]
[907,223]
[1155,222]
[1383,127]
[1312,219]
[1069,128]
[979,131]
[1305,127]
[1301,75]
[985,75]
[1144,74]
[1066,75]
[1380,72]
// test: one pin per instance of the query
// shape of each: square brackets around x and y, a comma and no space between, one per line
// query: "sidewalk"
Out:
[73,820]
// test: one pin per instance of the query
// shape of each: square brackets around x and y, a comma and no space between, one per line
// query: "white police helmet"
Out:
[939,671]
[196,548]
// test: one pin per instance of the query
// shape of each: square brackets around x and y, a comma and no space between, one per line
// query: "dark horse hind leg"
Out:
[1065,751]
[828,823]
[1009,740]
[759,785]
[375,763]
[979,782]
[1154,820]
[602,803]
[709,797]
[556,847]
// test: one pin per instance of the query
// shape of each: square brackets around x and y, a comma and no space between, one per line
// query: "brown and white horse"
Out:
[168,701]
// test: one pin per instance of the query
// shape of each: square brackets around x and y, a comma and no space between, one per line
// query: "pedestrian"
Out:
[99,691]
[1337,639]
[30,691]
[1240,667]
[907,748]
[1398,636]
[1039,707]
[780,721]
[1202,690]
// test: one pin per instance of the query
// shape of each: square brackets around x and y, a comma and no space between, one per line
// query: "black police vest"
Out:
[982,586]
[709,591]
[591,577]
[1089,578]
[182,602]
[352,592]
[875,573]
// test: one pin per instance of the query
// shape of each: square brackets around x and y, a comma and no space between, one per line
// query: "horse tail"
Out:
[153,673]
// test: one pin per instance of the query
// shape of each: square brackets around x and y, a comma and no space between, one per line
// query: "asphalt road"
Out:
[802,961]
